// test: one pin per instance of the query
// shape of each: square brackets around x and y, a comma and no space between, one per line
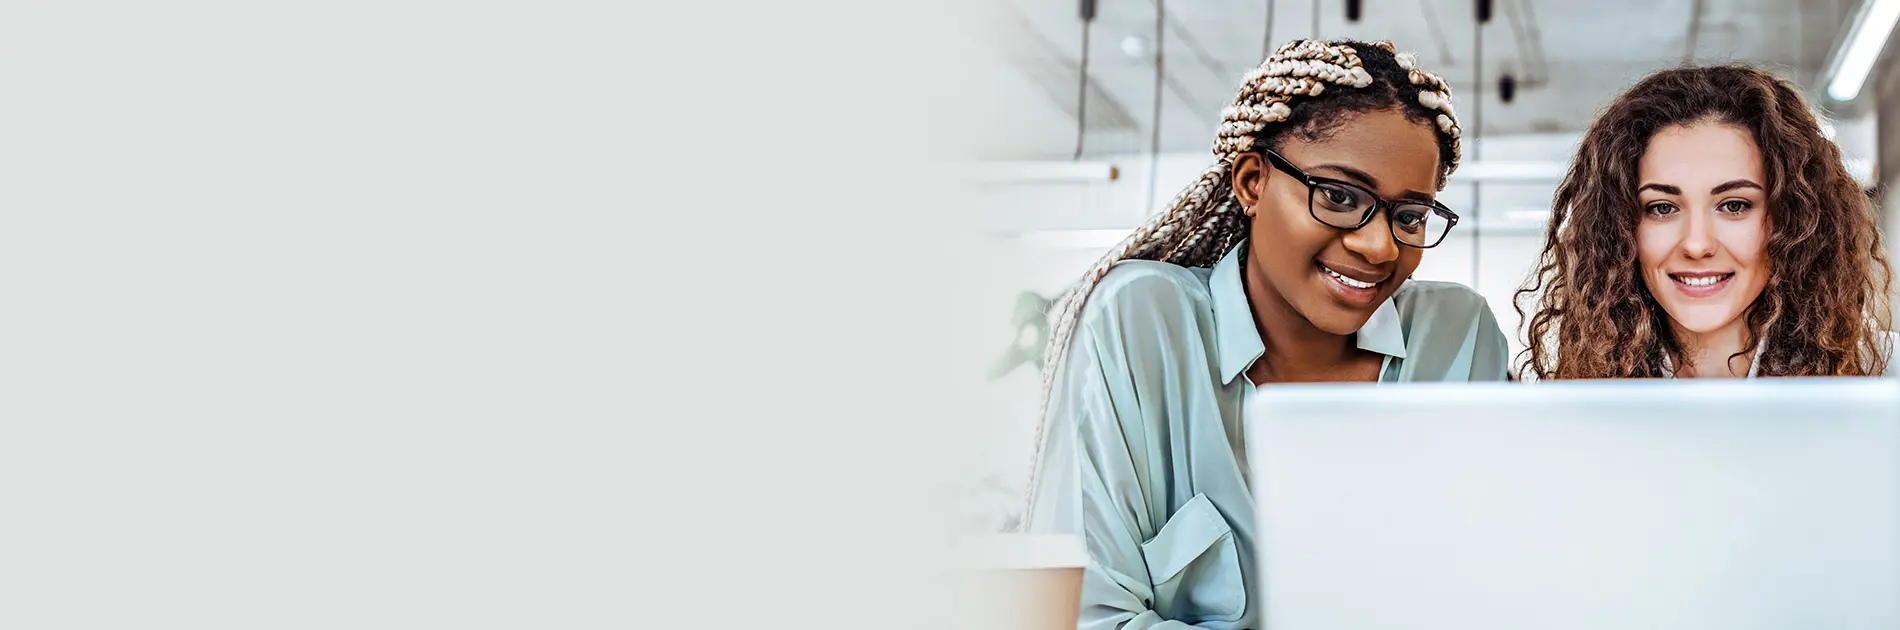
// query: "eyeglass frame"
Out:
[1312,182]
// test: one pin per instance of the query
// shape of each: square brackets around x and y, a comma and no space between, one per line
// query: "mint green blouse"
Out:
[1145,457]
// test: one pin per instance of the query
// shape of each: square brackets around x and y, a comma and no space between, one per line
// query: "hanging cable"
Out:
[1477,127]
[1266,40]
[1536,38]
[1082,90]
[1154,141]
[1525,33]
[1695,21]
[1315,19]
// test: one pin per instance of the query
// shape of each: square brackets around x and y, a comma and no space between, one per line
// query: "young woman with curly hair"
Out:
[1707,228]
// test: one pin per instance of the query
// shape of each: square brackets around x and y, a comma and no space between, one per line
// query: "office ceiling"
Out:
[1567,57]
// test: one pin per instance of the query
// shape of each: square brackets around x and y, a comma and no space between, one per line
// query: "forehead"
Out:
[1402,153]
[1703,152]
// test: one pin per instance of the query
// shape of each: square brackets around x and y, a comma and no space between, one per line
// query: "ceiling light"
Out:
[1074,239]
[1856,57]
[1135,46]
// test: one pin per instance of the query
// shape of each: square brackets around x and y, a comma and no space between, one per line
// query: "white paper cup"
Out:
[1021,581]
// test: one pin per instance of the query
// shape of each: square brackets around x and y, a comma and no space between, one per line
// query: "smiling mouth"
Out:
[1349,281]
[1701,285]
[1701,280]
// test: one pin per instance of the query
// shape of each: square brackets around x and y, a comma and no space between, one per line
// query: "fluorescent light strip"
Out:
[1045,172]
[1549,171]
[1075,239]
[1864,41]
[1528,216]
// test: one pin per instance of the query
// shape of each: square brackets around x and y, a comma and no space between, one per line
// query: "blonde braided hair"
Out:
[1204,220]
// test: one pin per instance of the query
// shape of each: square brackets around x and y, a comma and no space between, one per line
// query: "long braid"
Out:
[1204,220]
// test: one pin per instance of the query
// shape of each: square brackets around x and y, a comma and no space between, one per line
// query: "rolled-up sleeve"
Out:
[1098,469]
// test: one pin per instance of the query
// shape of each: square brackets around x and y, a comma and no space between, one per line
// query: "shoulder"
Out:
[1451,333]
[1146,314]
[1440,301]
[1134,288]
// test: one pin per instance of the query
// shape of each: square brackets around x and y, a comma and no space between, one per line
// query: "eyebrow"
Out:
[1366,179]
[1734,184]
[1717,190]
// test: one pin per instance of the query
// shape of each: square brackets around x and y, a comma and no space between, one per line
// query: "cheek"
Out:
[1748,243]
[1409,258]
[1284,222]
[1653,244]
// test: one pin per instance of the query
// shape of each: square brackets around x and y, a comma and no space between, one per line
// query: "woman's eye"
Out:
[1409,219]
[1735,206]
[1339,197]
[1660,209]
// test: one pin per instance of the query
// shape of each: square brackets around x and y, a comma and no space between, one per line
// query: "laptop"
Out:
[1606,504]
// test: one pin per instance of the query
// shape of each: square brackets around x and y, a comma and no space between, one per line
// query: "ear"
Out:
[1249,181]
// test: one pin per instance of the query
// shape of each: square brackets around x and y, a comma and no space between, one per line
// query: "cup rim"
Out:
[1022,551]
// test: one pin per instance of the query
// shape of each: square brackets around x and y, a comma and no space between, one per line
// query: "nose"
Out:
[1698,238]
[1373,242]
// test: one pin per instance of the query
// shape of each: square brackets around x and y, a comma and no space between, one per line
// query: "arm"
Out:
[1098,478]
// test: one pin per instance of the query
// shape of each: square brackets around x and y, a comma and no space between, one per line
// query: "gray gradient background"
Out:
[407,314]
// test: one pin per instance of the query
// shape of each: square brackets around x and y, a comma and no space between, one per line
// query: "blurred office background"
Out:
[1088,155]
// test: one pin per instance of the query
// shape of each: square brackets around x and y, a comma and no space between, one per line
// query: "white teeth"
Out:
[1702,281]
[1348,281]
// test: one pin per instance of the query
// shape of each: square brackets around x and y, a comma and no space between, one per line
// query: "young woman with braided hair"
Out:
[1287,261]
[1707,228]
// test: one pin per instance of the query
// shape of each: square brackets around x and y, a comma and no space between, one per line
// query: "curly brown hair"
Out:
[1828,278]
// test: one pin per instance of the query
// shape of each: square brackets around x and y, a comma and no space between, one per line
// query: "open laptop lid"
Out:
[1765,504]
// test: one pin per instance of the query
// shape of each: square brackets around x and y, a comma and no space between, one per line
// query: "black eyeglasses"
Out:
[1350,207]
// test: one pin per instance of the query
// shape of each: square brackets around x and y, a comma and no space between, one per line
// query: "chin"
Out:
[1702,321]
[1336,320]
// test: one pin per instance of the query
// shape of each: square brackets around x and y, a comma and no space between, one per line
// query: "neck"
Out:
[1717,354]
[1296,350]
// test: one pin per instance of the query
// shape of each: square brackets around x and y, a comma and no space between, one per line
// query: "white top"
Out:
[1754,365]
